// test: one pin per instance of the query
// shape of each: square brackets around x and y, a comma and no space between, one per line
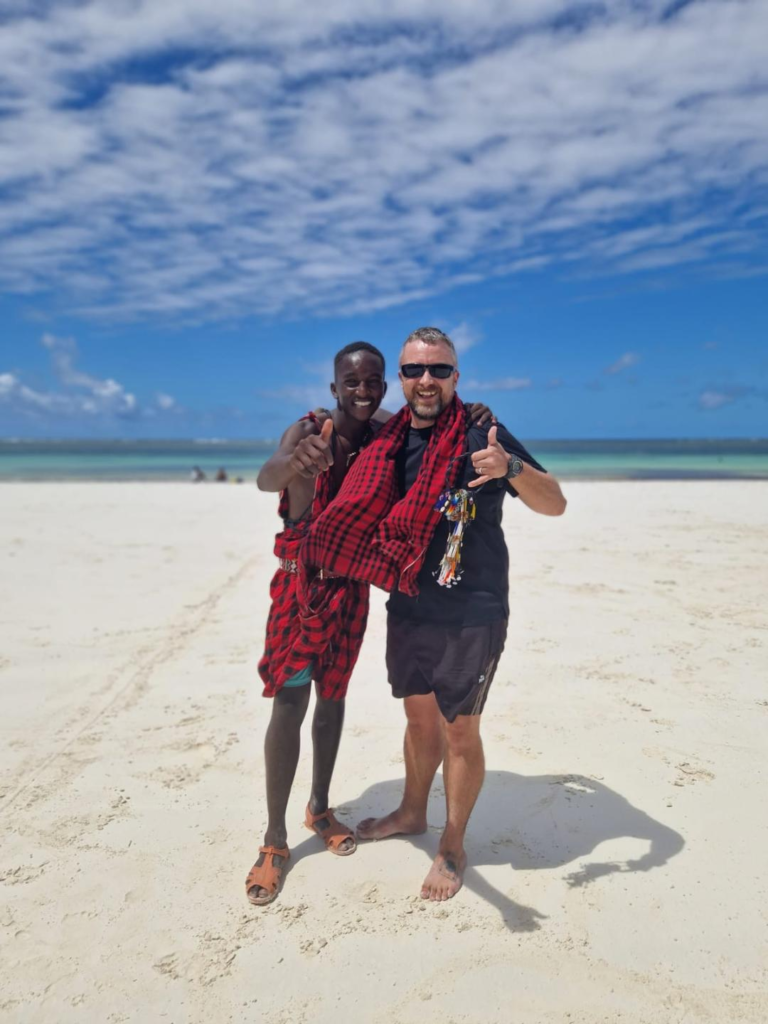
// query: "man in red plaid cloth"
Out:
[420,516]
[307,469]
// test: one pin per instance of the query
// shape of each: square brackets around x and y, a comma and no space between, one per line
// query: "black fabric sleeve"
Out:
[478,439]
[511,444]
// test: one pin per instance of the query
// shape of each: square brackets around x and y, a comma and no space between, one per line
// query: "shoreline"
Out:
[652,476]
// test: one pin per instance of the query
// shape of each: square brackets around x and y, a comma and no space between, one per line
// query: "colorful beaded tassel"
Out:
[458,507]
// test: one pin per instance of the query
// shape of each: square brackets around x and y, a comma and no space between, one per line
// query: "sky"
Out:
[200,203]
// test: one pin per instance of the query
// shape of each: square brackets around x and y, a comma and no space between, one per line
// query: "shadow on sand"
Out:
[534,823]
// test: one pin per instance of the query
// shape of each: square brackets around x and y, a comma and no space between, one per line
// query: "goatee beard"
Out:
[428,413]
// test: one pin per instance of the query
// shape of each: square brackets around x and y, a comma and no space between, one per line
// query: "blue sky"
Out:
[200,203]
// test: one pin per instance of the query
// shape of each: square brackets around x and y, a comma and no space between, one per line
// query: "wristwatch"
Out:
[514,467]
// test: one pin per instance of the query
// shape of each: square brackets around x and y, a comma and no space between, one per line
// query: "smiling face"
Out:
[359,386]
[427,396]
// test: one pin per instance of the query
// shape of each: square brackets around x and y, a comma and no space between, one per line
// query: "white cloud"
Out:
[623,363]
[348,157]
[501,384]
[312,393]
[100,395]
[165,402]
[464,337]
[713,398]
[80,394]
[308,396]
[25,399]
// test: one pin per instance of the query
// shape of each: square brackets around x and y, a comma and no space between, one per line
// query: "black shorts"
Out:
[456,663]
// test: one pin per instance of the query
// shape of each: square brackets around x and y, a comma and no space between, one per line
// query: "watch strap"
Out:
[514,466]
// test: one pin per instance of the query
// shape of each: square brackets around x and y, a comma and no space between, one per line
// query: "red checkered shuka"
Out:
[287,650]
[368,533]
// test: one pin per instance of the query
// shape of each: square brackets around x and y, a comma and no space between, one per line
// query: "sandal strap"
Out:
[311,818]
[267,875]
[335,834]
[276,851]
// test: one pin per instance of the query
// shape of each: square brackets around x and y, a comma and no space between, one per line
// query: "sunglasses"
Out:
[440,371]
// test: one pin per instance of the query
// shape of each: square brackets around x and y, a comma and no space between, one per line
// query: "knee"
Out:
[422,721]
[291,705]
[424,729]
[328,713]
[462,736]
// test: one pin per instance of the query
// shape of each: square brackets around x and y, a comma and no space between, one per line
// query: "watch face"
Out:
[515,467]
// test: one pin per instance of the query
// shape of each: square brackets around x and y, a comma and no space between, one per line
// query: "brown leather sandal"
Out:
[266,875]
[334,834]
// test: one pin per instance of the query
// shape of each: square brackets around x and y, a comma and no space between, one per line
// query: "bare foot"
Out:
[398,823]
[445,877]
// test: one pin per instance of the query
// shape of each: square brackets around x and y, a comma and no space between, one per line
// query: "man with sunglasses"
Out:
[443,645]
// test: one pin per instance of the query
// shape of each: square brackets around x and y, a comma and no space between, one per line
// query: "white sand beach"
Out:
[617,853]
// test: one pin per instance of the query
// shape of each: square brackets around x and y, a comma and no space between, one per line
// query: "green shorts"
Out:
[301,678]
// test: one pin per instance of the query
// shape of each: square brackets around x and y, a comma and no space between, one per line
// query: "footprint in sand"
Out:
[690,774]
[311,947]
[23,875]
[168,965]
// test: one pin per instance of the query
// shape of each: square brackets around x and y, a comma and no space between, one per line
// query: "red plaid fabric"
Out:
[294,639]
[368,533]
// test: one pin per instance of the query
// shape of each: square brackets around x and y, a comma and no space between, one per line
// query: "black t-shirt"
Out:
[482,593]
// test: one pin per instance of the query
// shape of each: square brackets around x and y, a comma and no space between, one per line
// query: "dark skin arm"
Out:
[303,452]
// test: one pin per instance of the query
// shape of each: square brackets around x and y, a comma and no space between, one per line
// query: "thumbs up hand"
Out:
[492,463]
[314,454]
[326,430]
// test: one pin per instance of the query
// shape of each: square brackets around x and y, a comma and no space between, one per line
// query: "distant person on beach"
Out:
[197,475]
[221,475]
[307,469]
[420,515]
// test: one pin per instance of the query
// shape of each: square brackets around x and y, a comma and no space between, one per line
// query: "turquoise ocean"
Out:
[175,460]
